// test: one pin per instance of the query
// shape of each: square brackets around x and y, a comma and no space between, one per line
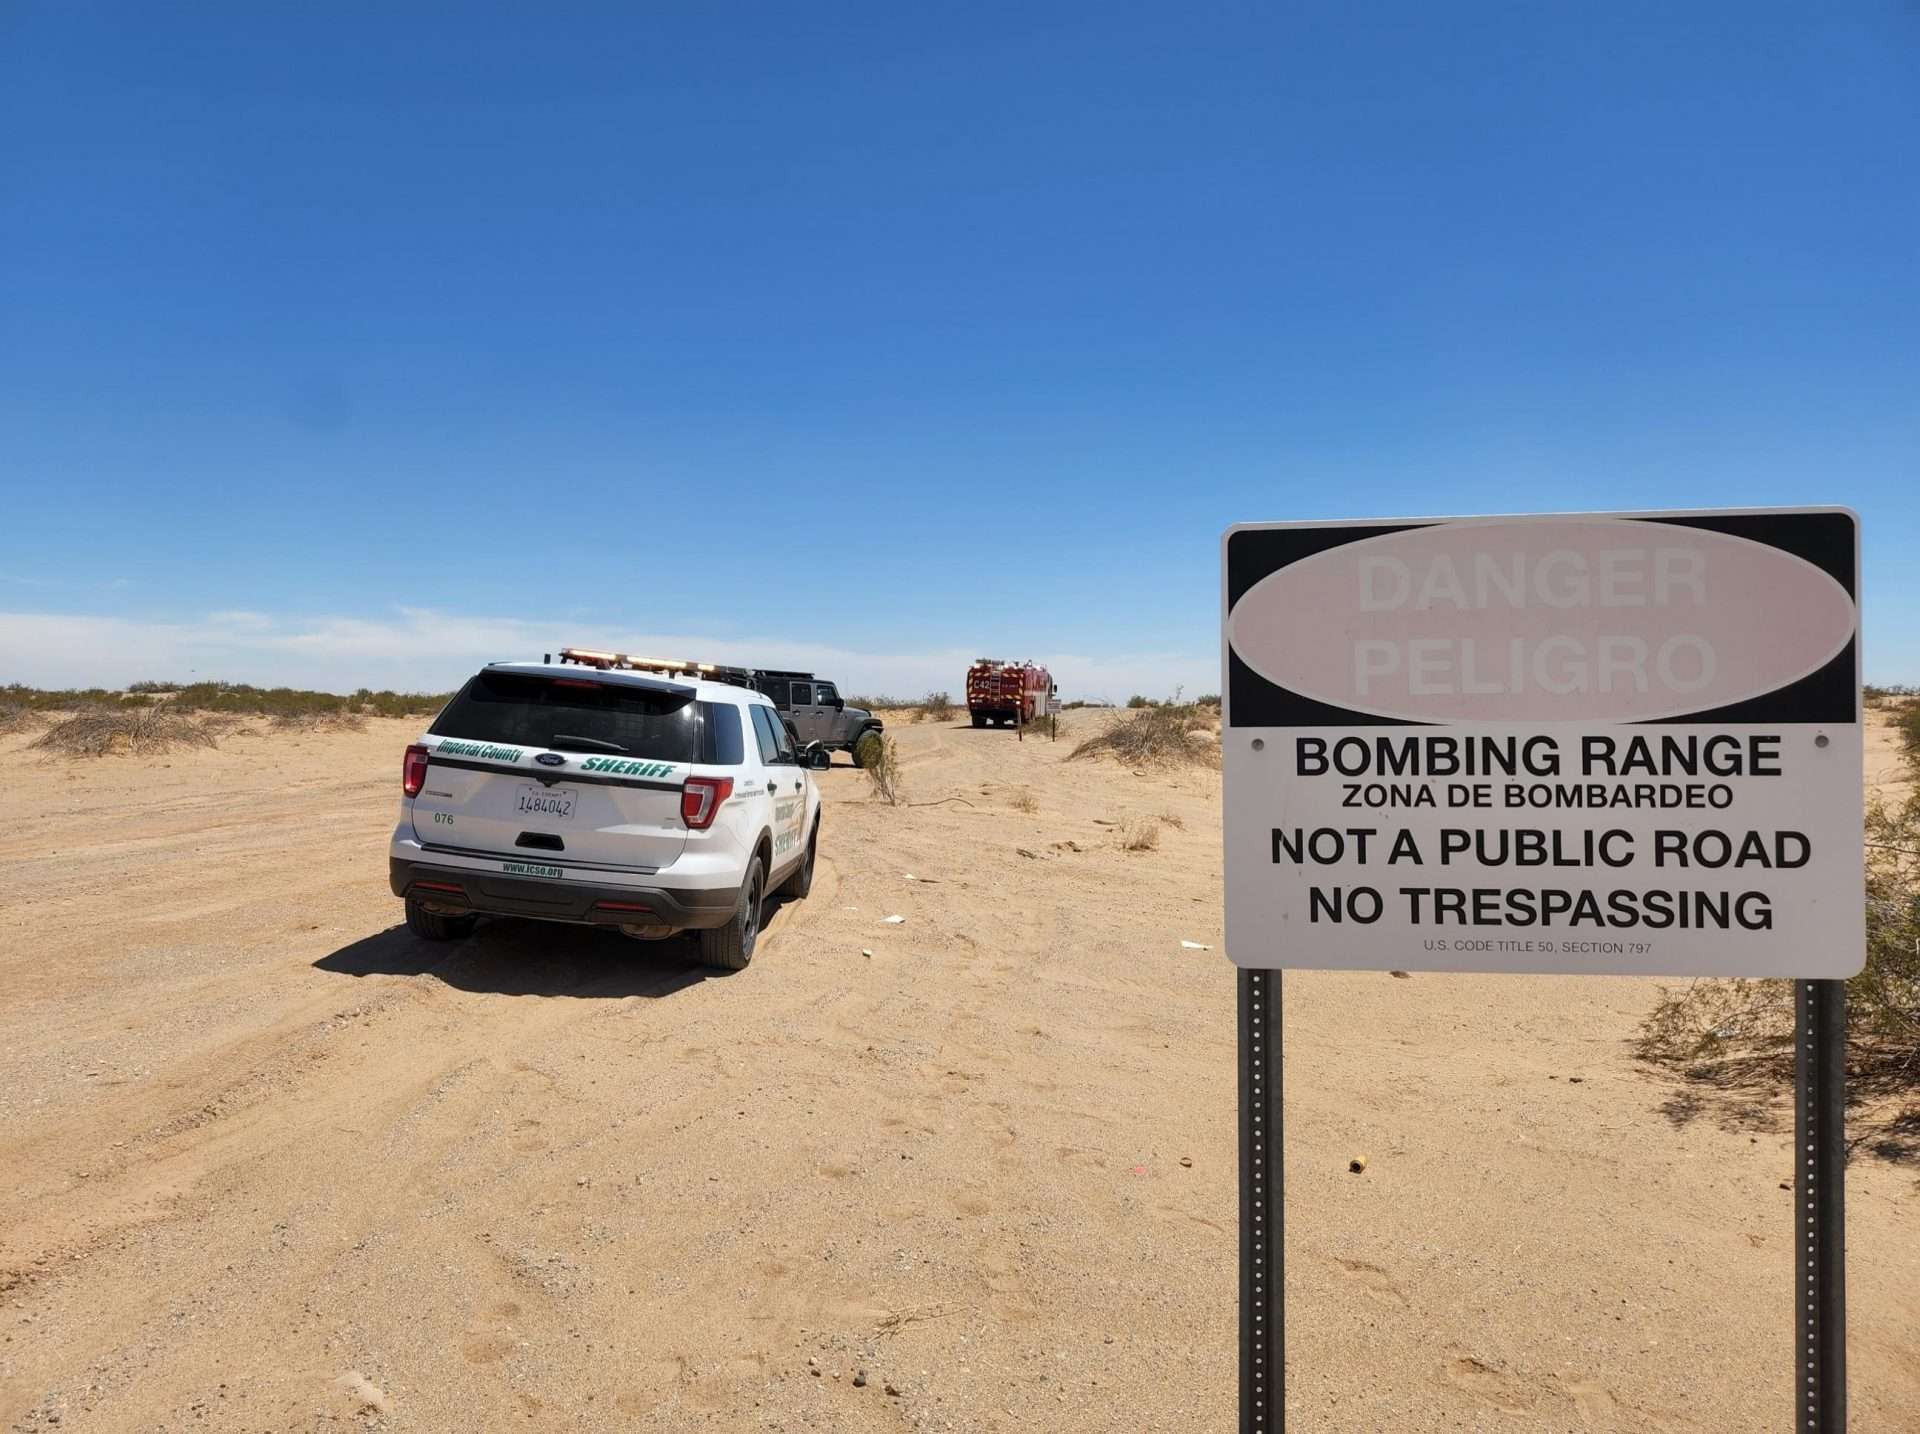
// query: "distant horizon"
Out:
[425,651]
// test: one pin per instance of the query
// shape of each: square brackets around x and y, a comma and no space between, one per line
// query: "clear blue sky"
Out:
[901,331]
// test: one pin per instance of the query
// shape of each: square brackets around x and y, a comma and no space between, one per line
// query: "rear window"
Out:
[572,715]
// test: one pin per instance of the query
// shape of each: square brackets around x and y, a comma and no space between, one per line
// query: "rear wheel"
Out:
[801,882]
[866,749]
[436,925]
[979,719]
[730,947]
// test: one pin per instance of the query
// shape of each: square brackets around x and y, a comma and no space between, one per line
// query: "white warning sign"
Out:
[1559,743]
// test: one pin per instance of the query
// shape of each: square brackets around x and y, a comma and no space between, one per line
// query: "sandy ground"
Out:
[268,1163]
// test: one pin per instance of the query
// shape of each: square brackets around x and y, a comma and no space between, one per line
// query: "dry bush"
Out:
[1023,802]
[1908,723]
[1142,834]
[341,721]
[140,731]
[935,706]
[882,763]
[1737,1036]
[1170,735]
[16,718]
[1174,820]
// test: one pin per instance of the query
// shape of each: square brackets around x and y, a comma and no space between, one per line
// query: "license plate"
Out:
[553,803]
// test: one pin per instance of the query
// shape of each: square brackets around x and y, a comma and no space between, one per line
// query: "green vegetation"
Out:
[936,706]
[236,698]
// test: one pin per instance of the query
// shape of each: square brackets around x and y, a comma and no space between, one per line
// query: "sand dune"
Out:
[266,1162]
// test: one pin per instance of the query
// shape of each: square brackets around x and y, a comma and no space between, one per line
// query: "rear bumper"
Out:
[494,894]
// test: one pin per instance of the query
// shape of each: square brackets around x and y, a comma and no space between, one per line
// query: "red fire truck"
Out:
[1007,692]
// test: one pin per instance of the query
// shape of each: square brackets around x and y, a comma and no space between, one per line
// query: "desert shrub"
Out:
[239,698]
[1739,1034]
[1208,699]
[882,704]
[63,699]
[15,717]
[141,731]
[1023,801]
[882,763]
[1139,834]
[935,706]
[1908,723]
[1137,701]
[1170,735]
[341,720]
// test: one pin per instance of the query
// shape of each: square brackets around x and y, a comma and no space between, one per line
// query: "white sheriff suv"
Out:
[590,791]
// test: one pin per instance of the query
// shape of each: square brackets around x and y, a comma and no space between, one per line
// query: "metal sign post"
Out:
[1819,1199]
[1263,1343]
[1820,1166]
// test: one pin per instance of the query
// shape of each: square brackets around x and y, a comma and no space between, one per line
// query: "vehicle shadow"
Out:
[530,958]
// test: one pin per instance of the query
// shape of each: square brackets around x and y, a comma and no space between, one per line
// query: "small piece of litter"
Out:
[1187,1161]
[867,953]
[1357,1164]
[1401,975]
[1194,946]
[911,877]
[892,920]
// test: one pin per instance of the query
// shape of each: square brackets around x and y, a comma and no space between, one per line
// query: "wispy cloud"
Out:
[424,649]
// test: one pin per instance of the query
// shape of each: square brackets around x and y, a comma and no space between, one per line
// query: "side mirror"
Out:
[817,758]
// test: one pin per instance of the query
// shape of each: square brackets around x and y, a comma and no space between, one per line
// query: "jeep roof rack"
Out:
[665,666]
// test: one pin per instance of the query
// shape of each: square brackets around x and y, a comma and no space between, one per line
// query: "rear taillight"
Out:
[413,770]
[700,800]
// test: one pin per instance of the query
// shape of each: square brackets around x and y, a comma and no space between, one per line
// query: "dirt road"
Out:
[268,1163]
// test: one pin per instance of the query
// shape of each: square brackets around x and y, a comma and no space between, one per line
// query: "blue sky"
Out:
[349,342]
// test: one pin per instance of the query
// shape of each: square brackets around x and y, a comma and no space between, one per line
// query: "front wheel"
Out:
[436,925]
[730,947]
[979,719]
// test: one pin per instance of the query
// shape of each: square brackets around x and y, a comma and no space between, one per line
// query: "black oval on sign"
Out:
[549,759]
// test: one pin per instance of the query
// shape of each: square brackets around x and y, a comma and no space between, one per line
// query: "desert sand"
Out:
[268,1163]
